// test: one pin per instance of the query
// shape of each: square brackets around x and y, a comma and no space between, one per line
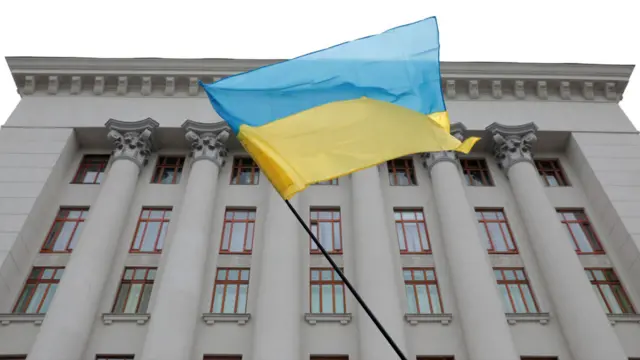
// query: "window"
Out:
[476,172]
[412,231]
[327,182]
[38,290]
[329,357]
[327,227]
[245,172]
[135,290]
[423,294]
[583,236]
[65,231]
[230,291]
[538,358]
[168,170]
[517,296]
[612,296]
[434,358]
[401,172]
[237,234]
[114,357]
[222,357]
[551,172]
[495,231]
[327,292]
[91,169]
[151,230]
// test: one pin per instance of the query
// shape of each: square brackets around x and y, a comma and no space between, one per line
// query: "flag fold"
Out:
[342,109]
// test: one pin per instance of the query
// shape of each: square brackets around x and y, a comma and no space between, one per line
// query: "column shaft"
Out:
[376,273]
[70,318]
[583,321]
[484,325]
[278,313]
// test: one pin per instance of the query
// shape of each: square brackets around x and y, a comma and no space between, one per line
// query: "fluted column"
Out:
[177,307]
[278,313]
[481,315]
[69,320]
[583,321]
[376,273]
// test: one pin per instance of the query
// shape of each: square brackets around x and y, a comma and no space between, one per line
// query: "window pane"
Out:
[531,304]
[411,299]
[233,275]
[217,299]
[496,236]
[418,275]
[149,241]
[37,298]
[435,299]
[505,299]
[237,237]
[64,236]
[401,238]
[244,275]
[132,299]
[315,299]
[339,300]
[413,239]
[226,235]
[146,295]
[242,300]
[249,242]
[26,294]
[517,298]
[230,299]
[583,243]
[623,300]
[611,299]
[76,236]
[326,231]
[48,274]
[336,237]
[423,300]
[423,236]
[407,274]
[600,298]
[327,299]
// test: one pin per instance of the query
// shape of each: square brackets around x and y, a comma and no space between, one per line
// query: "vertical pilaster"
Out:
[376,274]
[484,325]
[72,313]
[581,317]
[278,314]
[177,308]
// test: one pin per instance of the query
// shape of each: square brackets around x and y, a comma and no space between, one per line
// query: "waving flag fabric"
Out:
[342,109]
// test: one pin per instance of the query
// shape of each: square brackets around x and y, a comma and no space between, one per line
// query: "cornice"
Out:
[159,77]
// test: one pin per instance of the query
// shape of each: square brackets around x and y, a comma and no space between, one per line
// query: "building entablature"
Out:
[156,77]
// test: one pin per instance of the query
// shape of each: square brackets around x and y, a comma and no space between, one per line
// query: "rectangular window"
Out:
[495,231]
[551,173]
[135,290]
[230,291]
[476,172]
[327,182]
[329,357]
[327,227]
[168,170]
[401,172]
[412,231]
[423,294]
[237,234]
[327,292]
[114,357]
[38,291]
[582,234]
[517,296]
[222,357]
[65,231]
[245,171]
[151,230]
[91,169]
[610,292]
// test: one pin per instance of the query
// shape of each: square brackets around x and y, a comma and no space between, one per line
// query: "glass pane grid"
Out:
[135,290]
[476,172]
[515,290]
[581,232]
[38,290]
[327,292]
[551,172]
[91,169]
[151,230]
[411,229]
[245,172]
[326,225]
[496,231]
[65,230]
[401,172]
[610,291]
[168,170]
[422,291]
[230,291]
[238,231]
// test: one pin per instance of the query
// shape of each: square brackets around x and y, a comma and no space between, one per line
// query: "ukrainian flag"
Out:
[342,109]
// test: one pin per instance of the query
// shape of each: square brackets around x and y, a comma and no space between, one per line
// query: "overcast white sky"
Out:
[588,31]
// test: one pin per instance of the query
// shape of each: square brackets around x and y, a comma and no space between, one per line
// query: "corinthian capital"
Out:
[512,144]
[132,140]
[430,159]
[208,141]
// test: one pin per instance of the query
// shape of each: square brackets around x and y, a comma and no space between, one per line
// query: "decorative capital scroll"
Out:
[430,159]
[132,140]
[512,144]
[208,140]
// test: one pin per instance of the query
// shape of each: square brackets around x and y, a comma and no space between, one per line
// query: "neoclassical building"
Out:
[133,225]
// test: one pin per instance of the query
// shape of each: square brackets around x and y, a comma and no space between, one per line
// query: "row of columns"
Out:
[171,333]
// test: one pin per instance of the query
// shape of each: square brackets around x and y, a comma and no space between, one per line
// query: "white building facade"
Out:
[134,226]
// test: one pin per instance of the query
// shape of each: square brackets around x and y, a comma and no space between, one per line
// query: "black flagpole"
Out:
[346,281]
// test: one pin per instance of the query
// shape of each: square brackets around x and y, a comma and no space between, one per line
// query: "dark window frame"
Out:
[483,223]
[102,162]
[249,234]
[407,167]
[146,281]
[238,167]
[315,222]
[554,169]
[587,228]
[162,166]
[53,235]
[468,167]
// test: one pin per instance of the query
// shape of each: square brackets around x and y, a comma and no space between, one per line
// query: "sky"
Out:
[566,31]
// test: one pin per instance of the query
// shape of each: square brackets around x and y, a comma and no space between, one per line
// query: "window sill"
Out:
[110,318]
[414,319]
[627,318]
[210,318]
[313,319]
[542,318]
[36,319]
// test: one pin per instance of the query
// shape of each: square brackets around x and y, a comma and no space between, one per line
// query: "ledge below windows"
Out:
[414,319]
[313,319]
[36,319]
[626,318]
[514,318]
[110,318]
[210,318]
